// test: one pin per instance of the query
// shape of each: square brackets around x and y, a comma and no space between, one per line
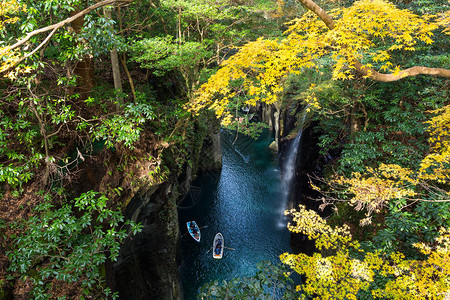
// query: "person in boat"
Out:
[218,246]
[194,231]
[193,228]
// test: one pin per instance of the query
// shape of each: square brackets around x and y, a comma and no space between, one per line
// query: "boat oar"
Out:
[203,227]
[229,248]
[208,251]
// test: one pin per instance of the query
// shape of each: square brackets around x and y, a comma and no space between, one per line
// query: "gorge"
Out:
[120,120]
[245,200]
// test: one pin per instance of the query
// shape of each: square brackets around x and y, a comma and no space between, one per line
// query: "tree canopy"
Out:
[361,39]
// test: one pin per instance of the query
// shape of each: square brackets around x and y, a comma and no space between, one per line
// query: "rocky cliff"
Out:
[147,267]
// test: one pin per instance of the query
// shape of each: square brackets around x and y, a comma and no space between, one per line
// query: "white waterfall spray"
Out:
[288,172]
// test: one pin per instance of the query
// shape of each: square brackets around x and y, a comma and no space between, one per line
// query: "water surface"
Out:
[244,202]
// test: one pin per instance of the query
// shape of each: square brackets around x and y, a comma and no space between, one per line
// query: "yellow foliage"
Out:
[309,223]
[359,32]
[444,21]
[347,270]
[10,57]
[8,8]
[413,279]
[435,166]
[373,190]
[340,275]
[216,93]
[342,269]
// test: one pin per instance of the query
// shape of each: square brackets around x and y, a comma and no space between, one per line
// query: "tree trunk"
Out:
[115,64]
[354,125]
[116,74]
[130,79]
[84,69]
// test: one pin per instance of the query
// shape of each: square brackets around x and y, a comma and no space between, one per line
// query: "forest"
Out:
[103,101]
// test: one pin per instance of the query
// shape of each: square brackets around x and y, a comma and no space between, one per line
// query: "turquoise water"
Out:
[244,202]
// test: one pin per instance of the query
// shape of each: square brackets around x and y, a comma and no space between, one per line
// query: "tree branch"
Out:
[320,12]
[34,51]
[58,25]
[410,72]
[369,72]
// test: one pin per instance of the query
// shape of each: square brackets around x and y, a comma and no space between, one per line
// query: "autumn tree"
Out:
[402,257]
[405,253]
[360,40]
[348,271]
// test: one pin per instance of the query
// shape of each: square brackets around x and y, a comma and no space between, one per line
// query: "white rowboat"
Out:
[218,246]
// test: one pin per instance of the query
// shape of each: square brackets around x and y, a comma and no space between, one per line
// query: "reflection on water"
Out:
[242,201]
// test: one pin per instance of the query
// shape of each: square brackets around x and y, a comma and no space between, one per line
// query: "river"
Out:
[244,202]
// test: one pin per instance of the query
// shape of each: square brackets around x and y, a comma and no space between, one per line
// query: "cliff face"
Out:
[309,162]
[148,264]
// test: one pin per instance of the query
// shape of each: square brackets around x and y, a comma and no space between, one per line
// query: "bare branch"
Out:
[322,14]
[35,50]
[410,72]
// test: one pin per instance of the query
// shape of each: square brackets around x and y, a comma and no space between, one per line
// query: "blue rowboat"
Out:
[194,231]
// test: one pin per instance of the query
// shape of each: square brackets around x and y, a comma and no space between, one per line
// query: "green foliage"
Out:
[168,120]
[18,165]
[72,43]
[391,120]
[424,6]
[124,127]
[245,126]
[223,21]
[197,35]
[117,129]
[403,228]
[68,244]
[270,282]
[357,155]
[164,54]
[100,31]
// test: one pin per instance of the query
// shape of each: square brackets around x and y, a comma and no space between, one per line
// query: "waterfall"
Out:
[288,172]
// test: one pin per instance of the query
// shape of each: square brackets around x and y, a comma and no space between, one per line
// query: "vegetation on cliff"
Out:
[91,111]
